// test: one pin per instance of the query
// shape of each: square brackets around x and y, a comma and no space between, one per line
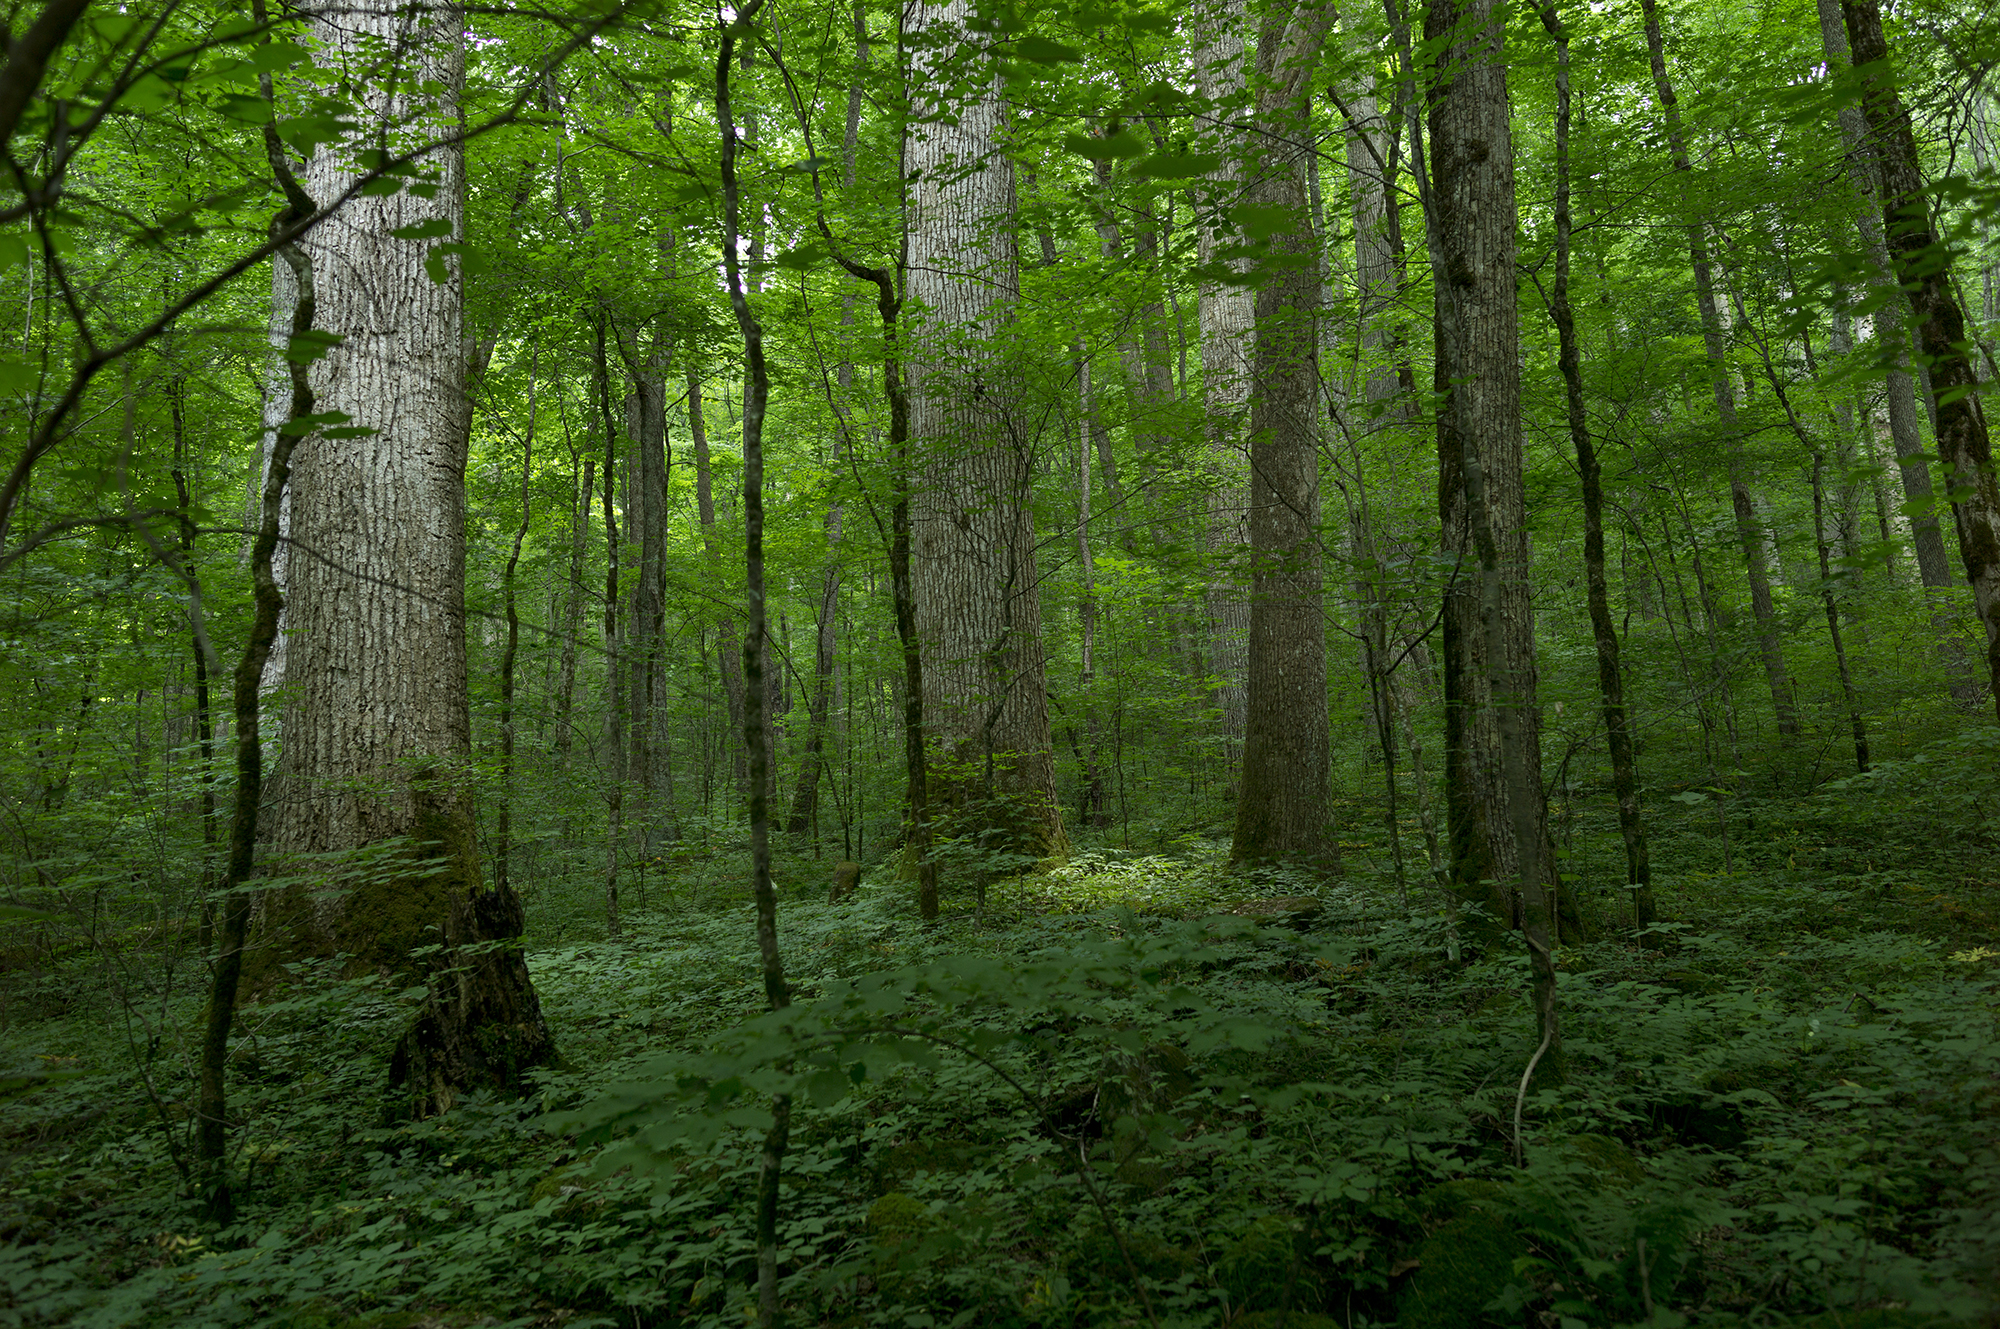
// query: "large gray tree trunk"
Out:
[1284,807]
[377,737]
[1226,314]
[973,565]
[1478,378]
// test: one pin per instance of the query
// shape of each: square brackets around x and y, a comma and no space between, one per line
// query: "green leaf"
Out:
[1042,51]
[428,230]
[14,913]
[382,186]
[13,249]
[1261,221]
[15,375]
[1122,144]
[803,258]
[273,56]
[238,106]
[306,132]
[826,1088]
[311,345]
[470,262]
[305,424]
[1176,165]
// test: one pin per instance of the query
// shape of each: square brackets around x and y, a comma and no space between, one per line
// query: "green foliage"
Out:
[1039,1122]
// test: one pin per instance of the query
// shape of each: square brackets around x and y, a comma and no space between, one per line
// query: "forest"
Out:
[965,663]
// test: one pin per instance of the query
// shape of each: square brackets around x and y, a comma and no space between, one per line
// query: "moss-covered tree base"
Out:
[480,1025]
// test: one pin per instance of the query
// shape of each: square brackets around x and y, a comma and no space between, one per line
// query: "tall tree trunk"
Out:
[902,480]
[756,732]
[1923,267]
[728,647]
[212,1076]
[1490,650]
[615,657]
[378,735]
[1284,809]
[1092,811]
[1569,362]
[1498,823]
[1227,313]
[572,620]
[1749,528]
[503,835]
[973,548]
[1831,603]
[1892,339]
[646,761]
[277,403]
[204,719]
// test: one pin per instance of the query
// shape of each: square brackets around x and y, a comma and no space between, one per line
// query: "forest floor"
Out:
[1105,1099]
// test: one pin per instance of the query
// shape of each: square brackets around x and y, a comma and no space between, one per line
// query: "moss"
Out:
[1465,1262]
[1687,982]
[846,881]
[406,903]
[1613,1166]
[897,1218]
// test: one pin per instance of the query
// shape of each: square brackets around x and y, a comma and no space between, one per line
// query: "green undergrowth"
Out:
[1103,1099]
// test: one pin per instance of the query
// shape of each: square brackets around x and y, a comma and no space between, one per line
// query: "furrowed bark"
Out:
[1942,340]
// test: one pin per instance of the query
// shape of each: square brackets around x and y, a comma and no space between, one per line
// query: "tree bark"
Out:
[756,732]
[503,834]
[1091,809]
[572,620]
[973,547]
[1284,809]
[616,662]
[1227,313]
[1923,267]
[1892,339]
[1489,726]
[212,1077]
[378,736]
[647,760]
[1481,483]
